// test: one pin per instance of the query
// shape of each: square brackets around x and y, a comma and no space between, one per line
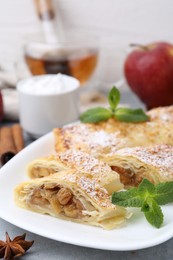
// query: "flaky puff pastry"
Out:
[154,163]
[70,197]
[105,138]
[84,165]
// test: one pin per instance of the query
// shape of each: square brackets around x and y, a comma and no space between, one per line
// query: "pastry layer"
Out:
[134,164]
[84,165]
[105,138]
[161,113]
[70,197]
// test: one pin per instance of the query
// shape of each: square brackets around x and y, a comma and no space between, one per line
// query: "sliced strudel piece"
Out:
[70,197]
[83,163]
[134,164]
[105,138]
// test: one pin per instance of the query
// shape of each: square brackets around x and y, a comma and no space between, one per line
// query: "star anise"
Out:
[11,249]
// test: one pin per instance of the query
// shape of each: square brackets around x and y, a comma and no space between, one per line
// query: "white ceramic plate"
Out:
[135,234]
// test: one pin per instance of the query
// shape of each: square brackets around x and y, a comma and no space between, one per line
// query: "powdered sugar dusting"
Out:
[90,187]
[102,138]
[88,164]
[105,138]
[96,192]
[93,138]
[159,156]
[162,113]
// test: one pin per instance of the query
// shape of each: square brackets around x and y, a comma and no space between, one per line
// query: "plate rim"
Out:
[84,243]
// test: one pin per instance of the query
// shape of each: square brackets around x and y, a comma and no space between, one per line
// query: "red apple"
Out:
[149,72]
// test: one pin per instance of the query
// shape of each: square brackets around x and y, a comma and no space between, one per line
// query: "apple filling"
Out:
[127,176]
[38,171]
[60,199]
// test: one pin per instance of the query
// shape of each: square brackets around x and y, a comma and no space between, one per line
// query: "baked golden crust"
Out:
[70,197]
[105,138]
[91,138]
[161,113]
[134,164]
[83,163]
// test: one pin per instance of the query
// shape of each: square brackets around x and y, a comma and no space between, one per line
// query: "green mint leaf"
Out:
[123,195]
[148,197]
[130,115]
[146,188]
[163,199]
[135,202]
[145,207]
[129,198]
[114,98]
[95,115]
[164,187]
[164,193]
[153,213]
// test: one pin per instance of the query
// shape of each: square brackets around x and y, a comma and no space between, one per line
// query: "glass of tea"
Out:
[77,58]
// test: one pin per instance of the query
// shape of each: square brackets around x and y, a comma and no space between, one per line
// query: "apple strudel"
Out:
[83,163]
[105,138]
[70,197]
[134,164]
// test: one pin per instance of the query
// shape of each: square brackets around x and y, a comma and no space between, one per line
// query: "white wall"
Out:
[116,22]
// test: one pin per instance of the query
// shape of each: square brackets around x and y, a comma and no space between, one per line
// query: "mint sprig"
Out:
[114,98]
[95,115]
[153,213]
[98,114]
[148,197]
[130,115]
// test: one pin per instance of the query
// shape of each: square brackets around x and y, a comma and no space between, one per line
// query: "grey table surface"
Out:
[44,248]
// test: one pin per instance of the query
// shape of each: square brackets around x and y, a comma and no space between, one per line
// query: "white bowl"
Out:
[42,108]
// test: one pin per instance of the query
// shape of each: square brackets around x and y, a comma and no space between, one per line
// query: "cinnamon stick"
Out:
[11,142]
[17,134]
[7,146]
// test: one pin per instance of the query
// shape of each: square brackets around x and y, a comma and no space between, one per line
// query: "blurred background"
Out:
[111,24]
